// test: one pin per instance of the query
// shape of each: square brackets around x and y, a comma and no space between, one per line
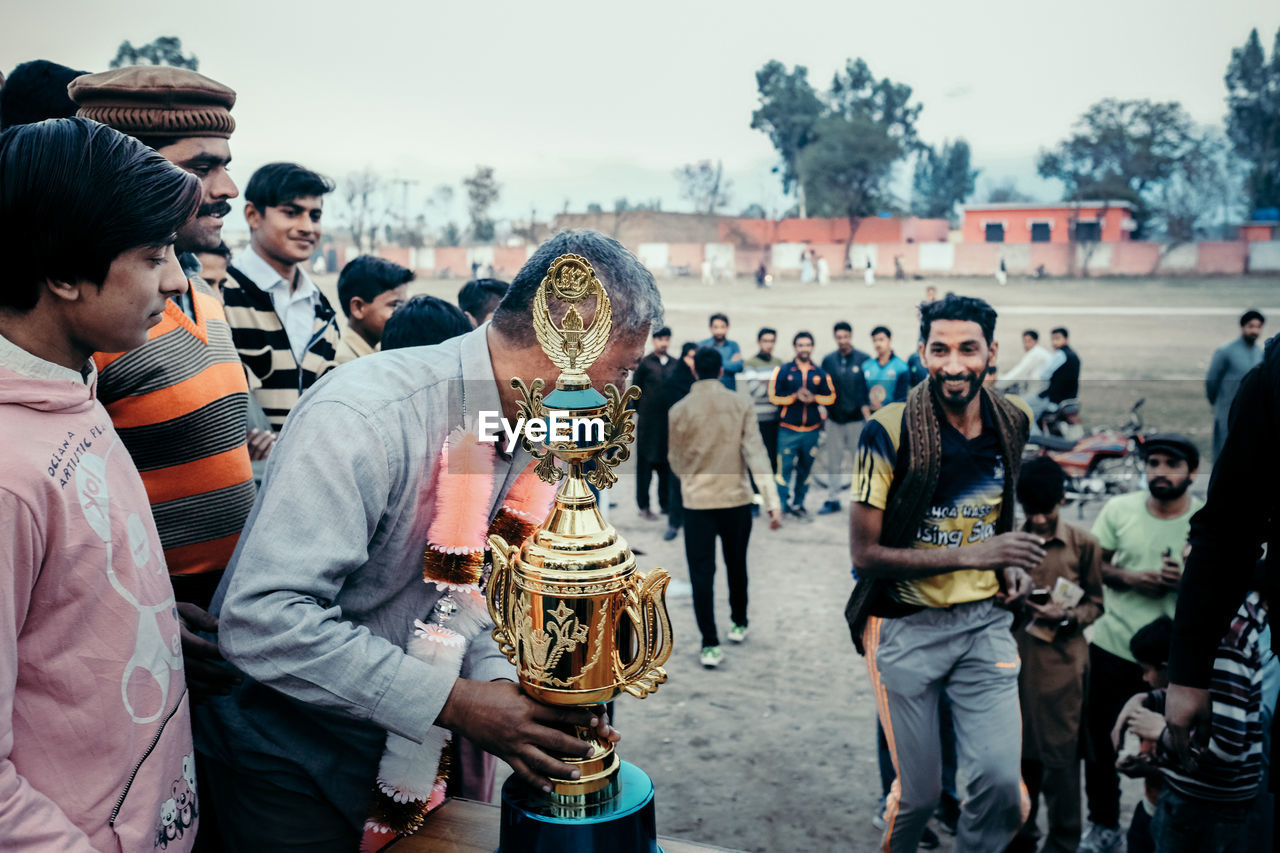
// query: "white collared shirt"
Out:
[296,308]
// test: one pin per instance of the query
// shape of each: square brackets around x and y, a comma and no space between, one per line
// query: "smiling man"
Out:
[934,549]
[285,330]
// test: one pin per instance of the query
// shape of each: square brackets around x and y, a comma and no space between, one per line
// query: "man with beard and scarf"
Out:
[1142,536]
[937,558]
[1230,363]
[180,400]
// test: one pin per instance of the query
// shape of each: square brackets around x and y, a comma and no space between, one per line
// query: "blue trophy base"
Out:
[623,824]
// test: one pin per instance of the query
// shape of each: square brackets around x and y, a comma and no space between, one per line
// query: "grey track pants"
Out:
[968,651]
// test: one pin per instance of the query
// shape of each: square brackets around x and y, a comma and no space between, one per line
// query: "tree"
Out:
[594,207]
[1204,191]
[1006,192]
[705,185]
[450,235]
[367,211]
[846,167]
[789,108]
[166,50]
[856,93]
[755,210]
[1119,150]
[942,180]
[482,192]
[1253,117]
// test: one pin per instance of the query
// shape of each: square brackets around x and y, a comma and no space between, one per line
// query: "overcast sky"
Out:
[582,102]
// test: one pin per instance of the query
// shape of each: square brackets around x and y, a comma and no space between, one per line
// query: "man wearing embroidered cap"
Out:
[179,401]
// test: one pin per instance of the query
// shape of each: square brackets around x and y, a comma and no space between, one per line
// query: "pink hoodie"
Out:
[95,729]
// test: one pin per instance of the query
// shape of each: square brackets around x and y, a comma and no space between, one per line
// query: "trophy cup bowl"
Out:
[581,624]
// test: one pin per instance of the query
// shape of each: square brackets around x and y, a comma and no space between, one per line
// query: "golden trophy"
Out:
[571,611]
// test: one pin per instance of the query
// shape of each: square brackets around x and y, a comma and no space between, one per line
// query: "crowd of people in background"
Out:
[155,582]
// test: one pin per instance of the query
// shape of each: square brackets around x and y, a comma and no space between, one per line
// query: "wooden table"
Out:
[465,826]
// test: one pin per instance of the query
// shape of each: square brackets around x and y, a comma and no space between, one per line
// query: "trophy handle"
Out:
[647,609]
[496,594]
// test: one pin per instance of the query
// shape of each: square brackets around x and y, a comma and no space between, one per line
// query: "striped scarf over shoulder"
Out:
[915,479]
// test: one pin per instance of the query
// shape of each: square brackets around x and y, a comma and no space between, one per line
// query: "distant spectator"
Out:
[424,321]
[479,298]
[370,289]
[799,387]
[213,267]
[1230,363]
[36,91]
[756,373]
[1030,372]
[1063,372]
[844,416]
[674,390]
[651,423]
[888,376]
[730,352]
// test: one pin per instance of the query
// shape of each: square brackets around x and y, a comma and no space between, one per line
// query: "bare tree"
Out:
[482,191]
[704,184]
[166,50]
[367,212]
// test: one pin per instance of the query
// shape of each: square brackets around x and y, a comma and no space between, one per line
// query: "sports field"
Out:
[775,750]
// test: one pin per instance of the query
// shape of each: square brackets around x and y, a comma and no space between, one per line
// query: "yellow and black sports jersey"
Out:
[964,509]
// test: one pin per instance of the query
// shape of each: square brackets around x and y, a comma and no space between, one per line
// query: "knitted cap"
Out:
[156,100]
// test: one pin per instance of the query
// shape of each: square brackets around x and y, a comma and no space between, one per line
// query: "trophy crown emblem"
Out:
[573,346]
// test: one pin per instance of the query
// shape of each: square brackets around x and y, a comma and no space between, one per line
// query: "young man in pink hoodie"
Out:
[95,729]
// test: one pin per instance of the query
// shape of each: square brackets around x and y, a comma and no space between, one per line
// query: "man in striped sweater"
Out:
[178,402]
[1205,804]
[285,330]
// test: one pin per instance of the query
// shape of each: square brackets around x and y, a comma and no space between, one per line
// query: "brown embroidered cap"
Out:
[155,101]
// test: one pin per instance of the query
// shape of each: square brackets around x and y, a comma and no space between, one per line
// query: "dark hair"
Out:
[1150,645]
[766,331]
[800,335]
[480,297]
[366,277]
[36,91]
[687,347]
[280,183]
[1060,330]
[1031,333]
[423,321]
[633,295]
[74,196]
[1041,485]
[221,250]
[881,330]
[952,307]
[664,332]
[707,363]
[842,326]
[1247,317]
[718,316]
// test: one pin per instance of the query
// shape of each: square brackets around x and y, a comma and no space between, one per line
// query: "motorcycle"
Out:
[1099,464]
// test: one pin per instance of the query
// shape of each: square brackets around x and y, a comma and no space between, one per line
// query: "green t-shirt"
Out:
[1139,540]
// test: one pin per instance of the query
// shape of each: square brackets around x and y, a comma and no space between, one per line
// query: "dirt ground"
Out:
[775,750]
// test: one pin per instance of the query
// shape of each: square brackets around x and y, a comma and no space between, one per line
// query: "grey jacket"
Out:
[324,587]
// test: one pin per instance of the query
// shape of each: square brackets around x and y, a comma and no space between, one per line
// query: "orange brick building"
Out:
[1076,222]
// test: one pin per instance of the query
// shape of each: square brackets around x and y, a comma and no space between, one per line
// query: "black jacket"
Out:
[651,409]
[850,384]
[1241,515]
[1064,384]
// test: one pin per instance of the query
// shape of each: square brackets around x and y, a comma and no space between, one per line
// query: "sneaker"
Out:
[878,819]
[792,512]
[1101,839]
[929,840]
[829,507]
[801,513]
[672,533]
[711,656]
[647,514]
[737,633]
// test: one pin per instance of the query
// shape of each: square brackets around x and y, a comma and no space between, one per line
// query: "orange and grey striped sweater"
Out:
[178,403]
